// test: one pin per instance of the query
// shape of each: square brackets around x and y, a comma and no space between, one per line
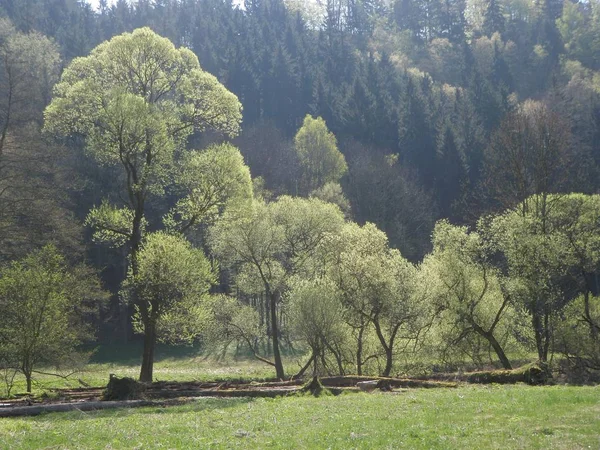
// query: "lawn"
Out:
[473,417]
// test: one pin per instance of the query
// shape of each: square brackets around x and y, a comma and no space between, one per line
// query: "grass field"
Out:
[172,364]
[469,417]
[496,417]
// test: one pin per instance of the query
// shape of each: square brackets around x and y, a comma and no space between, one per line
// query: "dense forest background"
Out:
[422,96]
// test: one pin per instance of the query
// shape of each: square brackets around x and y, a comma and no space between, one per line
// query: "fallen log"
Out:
[36,410]
[384,383]
[534,374]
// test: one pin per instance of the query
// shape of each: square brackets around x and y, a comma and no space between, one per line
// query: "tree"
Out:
[167,289]
[377,287]
[320,160]
[135,100]
[468,289]
[44,302]
[555,254]
[30,200]
[271,244]
[315,310]
[536,258]
[529,157]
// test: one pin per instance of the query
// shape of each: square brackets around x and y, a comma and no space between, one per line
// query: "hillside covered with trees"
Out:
[372,186]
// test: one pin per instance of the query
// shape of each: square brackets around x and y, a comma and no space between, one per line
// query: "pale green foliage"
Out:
[573,331]
[42,302]
[535,254]
[314,310]
[172,280]
[377,285]
[320,160]
[110,224]
[374,278]
[332,193]
[275,240]
[216,181]
[470,294]
[552,249]
[136,99]
[231,321]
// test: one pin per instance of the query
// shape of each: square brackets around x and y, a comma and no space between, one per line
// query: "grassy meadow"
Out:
[470,417]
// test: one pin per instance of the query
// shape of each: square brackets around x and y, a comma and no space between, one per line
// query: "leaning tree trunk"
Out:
[499,351]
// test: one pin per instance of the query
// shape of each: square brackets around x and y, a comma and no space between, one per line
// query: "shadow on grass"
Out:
[130,354]
[196,406]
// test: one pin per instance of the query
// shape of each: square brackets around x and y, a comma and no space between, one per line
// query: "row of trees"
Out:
[139,106]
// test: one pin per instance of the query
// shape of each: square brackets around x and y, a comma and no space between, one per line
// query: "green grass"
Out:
[493,417]
[171,364]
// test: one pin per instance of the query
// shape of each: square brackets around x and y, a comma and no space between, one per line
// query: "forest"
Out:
[365,187]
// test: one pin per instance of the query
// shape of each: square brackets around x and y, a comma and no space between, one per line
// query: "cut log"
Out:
[367,386]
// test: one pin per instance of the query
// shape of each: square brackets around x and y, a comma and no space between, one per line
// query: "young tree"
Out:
[320,160]
[315,310]
[274,242]
[168,287]
[136,99]
[43,303]
[537,261]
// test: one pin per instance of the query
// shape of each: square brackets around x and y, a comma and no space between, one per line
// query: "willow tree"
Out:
[135,100]
[377,287]
[269,246]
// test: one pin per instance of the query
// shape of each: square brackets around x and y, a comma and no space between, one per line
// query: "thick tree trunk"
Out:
[388,348]
[489,336]
[389,359]
[275,336]
[148,353]
[499,351]
[28,380]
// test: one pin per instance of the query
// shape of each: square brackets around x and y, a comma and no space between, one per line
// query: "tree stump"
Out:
[123,389]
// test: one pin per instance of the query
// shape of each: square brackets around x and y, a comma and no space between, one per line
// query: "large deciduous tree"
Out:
[31,205]
[469,292]
[377,287]
[135,100]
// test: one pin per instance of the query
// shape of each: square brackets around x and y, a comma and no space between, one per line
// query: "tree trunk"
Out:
[28,379]
[275,336]
[539,336]
[359,351]
[489,336]
[499,351]
[389,353]
[148,353]
[588,316]
[388,362]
